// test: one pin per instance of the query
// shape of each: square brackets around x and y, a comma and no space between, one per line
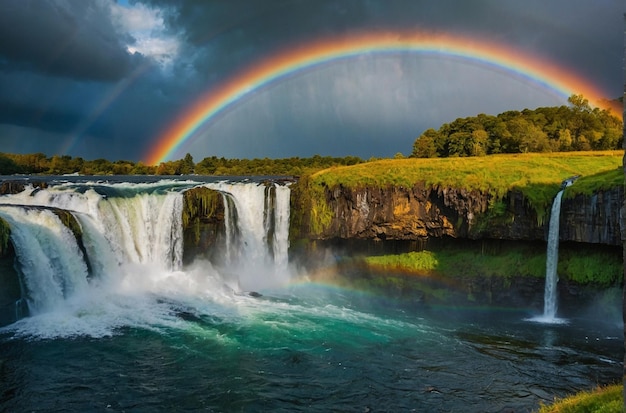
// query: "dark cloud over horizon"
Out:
[99,78]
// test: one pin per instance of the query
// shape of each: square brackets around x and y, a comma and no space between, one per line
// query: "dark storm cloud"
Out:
[72,38]
[44,119]
[227,34]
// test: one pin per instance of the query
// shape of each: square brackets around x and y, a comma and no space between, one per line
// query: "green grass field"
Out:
[495,174]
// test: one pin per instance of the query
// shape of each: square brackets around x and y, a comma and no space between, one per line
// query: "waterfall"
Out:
[132,239]
[552,259]
[262,226]
[51,263]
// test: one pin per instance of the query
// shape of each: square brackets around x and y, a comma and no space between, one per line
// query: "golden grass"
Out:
[608,399]
[488,173]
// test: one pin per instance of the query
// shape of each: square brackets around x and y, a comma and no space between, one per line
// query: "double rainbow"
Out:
[273,68]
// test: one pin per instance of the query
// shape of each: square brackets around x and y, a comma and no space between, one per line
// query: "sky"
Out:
[107,79]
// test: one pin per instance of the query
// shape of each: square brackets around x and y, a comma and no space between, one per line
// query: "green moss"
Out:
[69,220]
[602,269]
[321,213]
[5,233]
[199,202]
[595,266]
[422,261]
[310,211]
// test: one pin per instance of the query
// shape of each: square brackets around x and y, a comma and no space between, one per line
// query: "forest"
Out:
[577,127]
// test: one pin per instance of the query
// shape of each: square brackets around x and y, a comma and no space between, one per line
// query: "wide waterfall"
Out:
[130,241]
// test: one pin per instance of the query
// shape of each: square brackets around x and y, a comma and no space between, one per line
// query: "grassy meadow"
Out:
[494,174]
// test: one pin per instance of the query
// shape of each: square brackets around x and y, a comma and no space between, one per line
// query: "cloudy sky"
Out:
[105,79]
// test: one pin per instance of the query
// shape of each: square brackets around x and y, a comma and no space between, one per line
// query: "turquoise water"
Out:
[301,348]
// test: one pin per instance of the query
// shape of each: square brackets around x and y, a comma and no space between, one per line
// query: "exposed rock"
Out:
[593,219]
[403,213]
[15,187]
[203,223]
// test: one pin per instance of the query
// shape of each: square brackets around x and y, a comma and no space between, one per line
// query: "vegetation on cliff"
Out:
[5,233]
[593,266]
[537,176]
[601,181]
[69,220]
[200,203]
[310,212]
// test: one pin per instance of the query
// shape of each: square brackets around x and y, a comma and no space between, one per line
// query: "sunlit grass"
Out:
[495,174]
[582,266]
[601,181]
[607,399]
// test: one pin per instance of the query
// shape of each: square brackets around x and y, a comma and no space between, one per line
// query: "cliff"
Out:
[418,212]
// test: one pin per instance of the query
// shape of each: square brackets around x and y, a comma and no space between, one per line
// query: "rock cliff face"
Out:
[403,213]
[593,219]
[203,224]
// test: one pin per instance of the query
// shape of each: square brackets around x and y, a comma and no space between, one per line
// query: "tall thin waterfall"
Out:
[552,258]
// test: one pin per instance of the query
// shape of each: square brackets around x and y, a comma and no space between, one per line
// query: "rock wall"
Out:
[593,219]
[203,224]
[410,213]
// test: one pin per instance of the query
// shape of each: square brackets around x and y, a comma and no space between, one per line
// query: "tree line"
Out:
[577,127]
[41,164]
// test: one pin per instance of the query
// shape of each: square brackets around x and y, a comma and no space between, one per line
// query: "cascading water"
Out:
[262,225]
[51,263]
[550,296]
[132,238]
[552,259]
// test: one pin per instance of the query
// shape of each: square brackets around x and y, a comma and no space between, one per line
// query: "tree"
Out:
[579,103]
[8,166]
[479,143]
[425,145]
[187,167]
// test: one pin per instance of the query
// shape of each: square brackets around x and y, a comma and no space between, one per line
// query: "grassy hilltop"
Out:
[496,174]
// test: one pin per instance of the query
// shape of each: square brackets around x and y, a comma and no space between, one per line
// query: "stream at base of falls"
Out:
[302,348]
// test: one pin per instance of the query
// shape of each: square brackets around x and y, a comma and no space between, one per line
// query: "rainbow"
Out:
[288,62]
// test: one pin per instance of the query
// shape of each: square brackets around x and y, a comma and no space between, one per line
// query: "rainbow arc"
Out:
[276,67]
